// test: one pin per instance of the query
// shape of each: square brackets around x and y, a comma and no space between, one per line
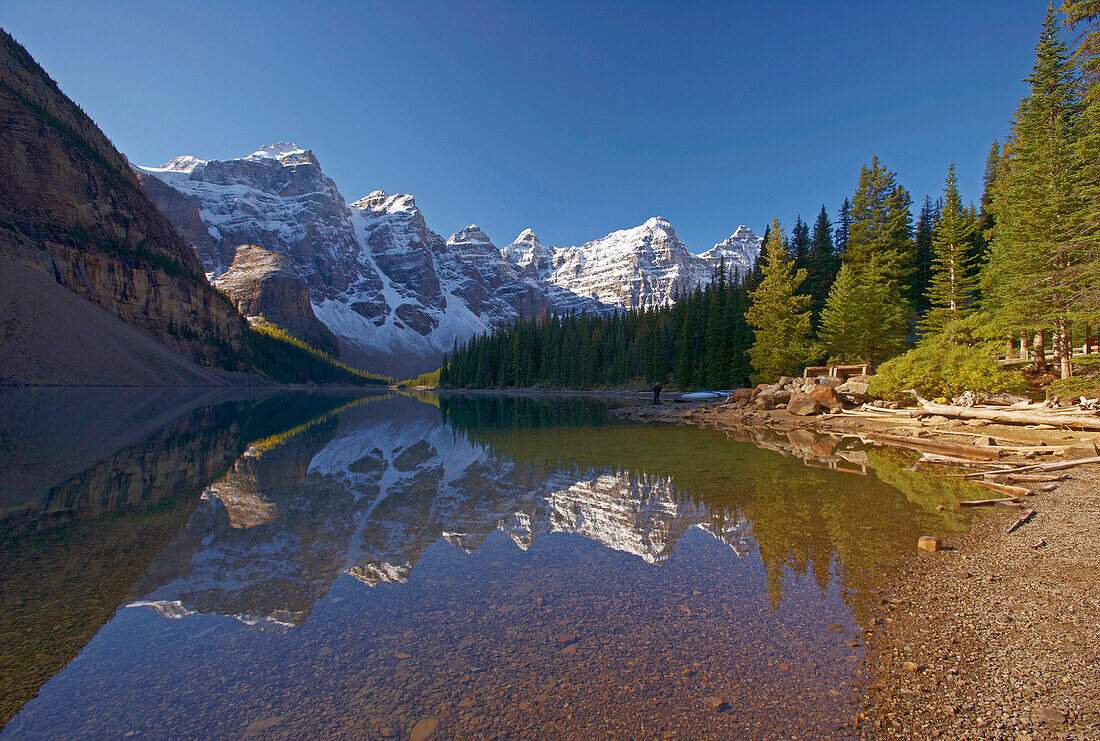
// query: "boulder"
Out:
[742,395]
[803,405]
[827,398]
[829,381]
[858,389]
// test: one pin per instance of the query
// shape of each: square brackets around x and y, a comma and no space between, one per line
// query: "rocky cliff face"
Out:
[265,286]
[396,294]
[71,207]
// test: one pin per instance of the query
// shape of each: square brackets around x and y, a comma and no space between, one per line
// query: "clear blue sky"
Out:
[574,119]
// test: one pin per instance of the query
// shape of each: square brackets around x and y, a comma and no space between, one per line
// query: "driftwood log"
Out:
[1082,421]
[1023,518]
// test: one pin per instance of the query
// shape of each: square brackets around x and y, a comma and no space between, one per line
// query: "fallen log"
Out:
[968,452]
[986,502]
[1016,491]
[1062,465]
[1015,417]
[1036,478]
[1023,518]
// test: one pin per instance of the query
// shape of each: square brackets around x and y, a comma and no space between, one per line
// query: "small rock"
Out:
[838,628]
[325,651]
[424,729]
[985,441]
[566,638]
[388,732]
[714,703]
[402,656]
[569,650]
[1048,487]
[264,724]
[912,666]
[1050,716]
[929,543]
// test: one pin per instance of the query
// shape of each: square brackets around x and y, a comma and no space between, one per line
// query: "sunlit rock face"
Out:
[265,287]
[395,292]
[368,498]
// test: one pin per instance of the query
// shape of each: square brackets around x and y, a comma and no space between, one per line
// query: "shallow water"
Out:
[326,566]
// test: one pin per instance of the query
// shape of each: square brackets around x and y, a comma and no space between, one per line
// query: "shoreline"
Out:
[997,635]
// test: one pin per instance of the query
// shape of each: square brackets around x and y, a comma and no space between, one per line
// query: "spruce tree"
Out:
[950,292]
[779,314]
[922,276]
[841,319]
[800,243]
[1037,264]
[843,227]
[1084,227]
[823,264]
[880,252]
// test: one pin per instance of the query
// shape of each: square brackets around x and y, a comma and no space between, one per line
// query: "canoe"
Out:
[701,396]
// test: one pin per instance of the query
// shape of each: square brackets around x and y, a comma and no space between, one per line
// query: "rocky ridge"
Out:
[71,208]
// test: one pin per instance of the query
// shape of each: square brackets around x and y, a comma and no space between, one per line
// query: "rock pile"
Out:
[806,396]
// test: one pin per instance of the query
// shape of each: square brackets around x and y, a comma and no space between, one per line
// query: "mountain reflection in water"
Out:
[472,524]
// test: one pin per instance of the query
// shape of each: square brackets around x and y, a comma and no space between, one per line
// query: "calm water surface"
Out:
[311,565]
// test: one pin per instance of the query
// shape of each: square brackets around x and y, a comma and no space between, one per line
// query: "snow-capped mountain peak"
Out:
[397,294]
[380,201]
[739,250]
[469,235]
[183,163]
[279,152]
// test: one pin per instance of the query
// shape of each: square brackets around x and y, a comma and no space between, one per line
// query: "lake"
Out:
[182,564]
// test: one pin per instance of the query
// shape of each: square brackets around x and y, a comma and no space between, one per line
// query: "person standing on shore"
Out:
[656,394]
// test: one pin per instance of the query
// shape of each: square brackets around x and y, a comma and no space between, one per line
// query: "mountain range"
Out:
[396,294]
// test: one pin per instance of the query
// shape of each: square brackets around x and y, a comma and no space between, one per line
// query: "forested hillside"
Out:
[930,304]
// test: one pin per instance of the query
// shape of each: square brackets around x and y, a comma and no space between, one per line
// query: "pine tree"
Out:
[985,215]
[800,243]
[951,289]
[823,264]
[843,227]
[880,252]
[841,319]
[922,276]
[1084,226]
[1037,266]
[779,314]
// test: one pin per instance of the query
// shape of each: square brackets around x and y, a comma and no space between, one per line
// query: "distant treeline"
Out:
[698,341]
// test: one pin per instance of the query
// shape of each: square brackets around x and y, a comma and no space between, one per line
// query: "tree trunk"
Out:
[1039,350]
[1023,345]
[1009,349]
[1056,346]
[1067,347]
[1088,339]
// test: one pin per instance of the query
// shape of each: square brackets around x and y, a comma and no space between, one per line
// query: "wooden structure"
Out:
[842,372]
